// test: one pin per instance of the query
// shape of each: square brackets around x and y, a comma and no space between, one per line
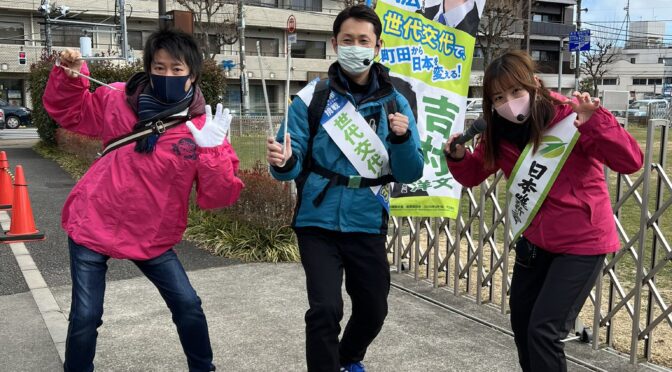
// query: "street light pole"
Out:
[560,58]
[244,84]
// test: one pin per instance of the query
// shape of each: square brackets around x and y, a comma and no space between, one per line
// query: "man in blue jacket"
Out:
[343,160]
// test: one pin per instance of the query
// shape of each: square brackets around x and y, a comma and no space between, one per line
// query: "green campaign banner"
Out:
[428,47]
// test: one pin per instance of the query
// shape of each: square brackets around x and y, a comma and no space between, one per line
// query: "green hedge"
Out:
[213,85]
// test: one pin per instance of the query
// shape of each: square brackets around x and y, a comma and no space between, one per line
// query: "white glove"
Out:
[215,129]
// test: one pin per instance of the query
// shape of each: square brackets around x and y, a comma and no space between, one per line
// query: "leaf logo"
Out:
[552,147]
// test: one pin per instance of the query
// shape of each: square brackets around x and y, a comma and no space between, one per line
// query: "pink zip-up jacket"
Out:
[576,216]
[131,205]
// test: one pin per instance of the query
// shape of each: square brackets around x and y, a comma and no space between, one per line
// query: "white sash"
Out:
[535,173]
[355,138]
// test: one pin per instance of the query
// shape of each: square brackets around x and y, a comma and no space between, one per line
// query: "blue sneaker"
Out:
[353,367]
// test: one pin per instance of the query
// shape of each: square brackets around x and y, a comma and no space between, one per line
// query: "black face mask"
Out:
[169,89]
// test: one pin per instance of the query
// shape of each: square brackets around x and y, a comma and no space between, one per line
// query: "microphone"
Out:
[520,117]
[366,62]
[477,127]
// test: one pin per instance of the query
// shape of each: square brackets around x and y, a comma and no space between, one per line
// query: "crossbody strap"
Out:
[157,127]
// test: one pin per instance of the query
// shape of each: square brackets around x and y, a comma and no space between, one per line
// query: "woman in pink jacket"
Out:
[561,251]
[133,201]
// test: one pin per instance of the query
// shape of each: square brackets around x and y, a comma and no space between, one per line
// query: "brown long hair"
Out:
[508,70]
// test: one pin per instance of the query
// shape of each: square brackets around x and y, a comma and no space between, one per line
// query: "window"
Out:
[609,81]
[632,60]
[212,40]
[668,80]
[309,49]
[544,55]
[231,97]
[637,81]
[11,92]
[661,60]
[135,40]
[214,44]
[11,33]
[655,81]
[266,3]
[257,103]
[540,17]
[269,47]
[314,5]
[63,36]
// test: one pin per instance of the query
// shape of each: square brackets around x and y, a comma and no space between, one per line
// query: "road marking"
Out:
[53,316]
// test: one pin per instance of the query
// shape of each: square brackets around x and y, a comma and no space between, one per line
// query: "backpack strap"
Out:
[391,106]
[315,111]
[351,182]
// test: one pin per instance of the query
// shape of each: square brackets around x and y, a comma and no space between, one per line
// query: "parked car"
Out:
[638,111]
[15,116]
[474,109]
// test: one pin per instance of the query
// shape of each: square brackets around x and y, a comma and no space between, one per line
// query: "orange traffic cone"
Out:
[6,190]
[22,227]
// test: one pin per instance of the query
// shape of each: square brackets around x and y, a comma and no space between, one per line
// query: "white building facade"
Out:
[22,29]
[644,67]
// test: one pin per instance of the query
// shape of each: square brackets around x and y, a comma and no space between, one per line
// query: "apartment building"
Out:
[22,30]
[644,66]
[550,25]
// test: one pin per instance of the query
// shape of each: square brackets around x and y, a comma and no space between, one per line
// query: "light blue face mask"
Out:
[351,58]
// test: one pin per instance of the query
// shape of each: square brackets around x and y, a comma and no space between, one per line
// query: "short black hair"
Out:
[361,12]
[179,45]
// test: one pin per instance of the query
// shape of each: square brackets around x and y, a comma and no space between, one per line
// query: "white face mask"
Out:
[351,58]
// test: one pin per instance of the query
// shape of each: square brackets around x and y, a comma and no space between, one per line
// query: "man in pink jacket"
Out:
[133,201]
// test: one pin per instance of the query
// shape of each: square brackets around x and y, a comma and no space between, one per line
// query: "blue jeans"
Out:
[88,270]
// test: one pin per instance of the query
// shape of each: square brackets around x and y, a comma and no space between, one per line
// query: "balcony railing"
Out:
[551,29]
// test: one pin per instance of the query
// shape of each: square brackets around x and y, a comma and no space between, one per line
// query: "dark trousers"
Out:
[547,293]
[88,270]
[325,255]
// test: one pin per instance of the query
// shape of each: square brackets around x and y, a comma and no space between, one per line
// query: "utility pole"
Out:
[46,8]
[560,49]
[124,31]
[527,25]
[244,84]
[627,22]
[577,69]
[163,18]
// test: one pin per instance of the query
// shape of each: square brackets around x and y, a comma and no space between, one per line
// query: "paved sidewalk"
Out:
[255,312]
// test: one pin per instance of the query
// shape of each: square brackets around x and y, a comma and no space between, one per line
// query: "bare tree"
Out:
[213,18]
[596,62]
[349,3]
[497,25]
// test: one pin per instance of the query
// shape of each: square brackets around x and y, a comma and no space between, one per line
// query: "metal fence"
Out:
[248,137]
[629,307]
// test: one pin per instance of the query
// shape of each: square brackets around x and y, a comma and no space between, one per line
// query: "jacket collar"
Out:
[382,75]
[139,82]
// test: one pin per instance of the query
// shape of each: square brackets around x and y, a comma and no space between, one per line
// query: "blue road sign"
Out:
[579,40]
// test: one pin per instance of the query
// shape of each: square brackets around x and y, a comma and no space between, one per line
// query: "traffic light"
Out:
[22,58]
